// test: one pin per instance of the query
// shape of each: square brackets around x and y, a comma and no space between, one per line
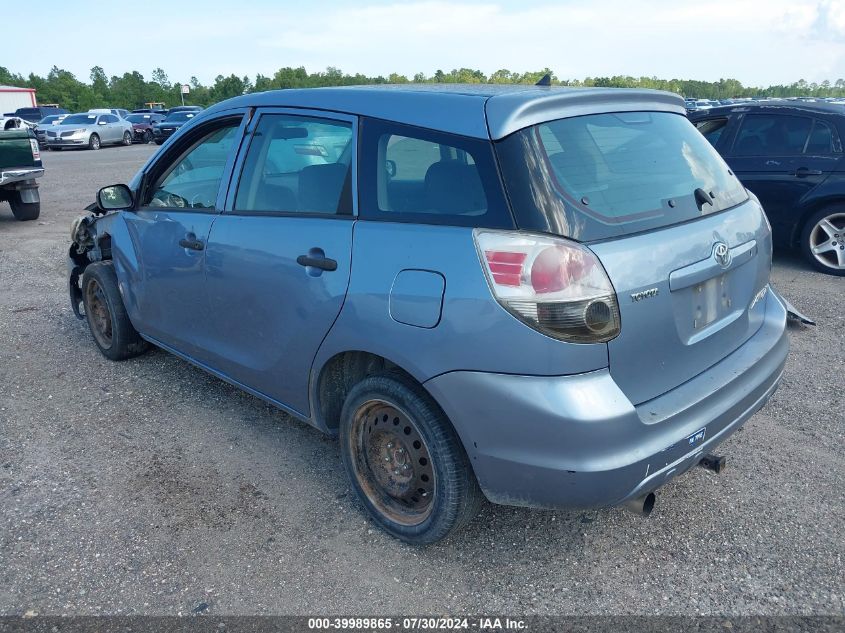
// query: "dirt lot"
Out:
[150,487]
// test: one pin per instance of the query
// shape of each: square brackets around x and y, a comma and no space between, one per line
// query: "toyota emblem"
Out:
[722,254]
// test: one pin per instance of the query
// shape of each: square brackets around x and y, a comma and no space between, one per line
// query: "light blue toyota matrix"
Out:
[547,297]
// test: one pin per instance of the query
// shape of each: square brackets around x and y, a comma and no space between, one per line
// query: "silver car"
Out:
[91,130]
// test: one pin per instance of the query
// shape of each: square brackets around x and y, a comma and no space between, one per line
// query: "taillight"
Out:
[36,152]
[554,285]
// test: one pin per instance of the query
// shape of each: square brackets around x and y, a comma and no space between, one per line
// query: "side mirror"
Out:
[390,168]
[115,197]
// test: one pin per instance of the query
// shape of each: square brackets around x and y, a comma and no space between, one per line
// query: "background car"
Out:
[142,125]
[116,111]
[35,114]
[789,154]
[89,130]
[185,108]
[165,129]
[43,124]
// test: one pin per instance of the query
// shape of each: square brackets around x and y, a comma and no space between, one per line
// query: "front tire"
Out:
[148,137]
[24,211]
[94,142]
[127,138]
[110,326]
[405,460]
[823,240]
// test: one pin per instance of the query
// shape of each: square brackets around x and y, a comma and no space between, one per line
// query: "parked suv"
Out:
[554,297]
[35,114]
[790,155]
[162,130]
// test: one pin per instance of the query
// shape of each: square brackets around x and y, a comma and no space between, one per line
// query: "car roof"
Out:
[476,110]
[819,107]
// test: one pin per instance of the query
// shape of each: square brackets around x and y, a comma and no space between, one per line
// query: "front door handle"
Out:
[323,263]
[191,243]
[803,172]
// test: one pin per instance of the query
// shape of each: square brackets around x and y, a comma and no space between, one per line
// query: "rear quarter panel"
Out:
[474,332]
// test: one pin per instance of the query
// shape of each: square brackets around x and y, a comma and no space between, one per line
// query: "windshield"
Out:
[605,175]
[48,119]
[79,119]
[138,118]
[179,116]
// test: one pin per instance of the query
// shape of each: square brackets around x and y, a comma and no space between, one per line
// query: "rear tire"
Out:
[24,211]
[110,326]
[94,142]
[405,460]
[823,240]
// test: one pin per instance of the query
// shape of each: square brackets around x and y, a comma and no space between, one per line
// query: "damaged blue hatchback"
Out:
[543,296]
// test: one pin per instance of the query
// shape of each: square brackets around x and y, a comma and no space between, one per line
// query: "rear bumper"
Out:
[577,441]
[24,175]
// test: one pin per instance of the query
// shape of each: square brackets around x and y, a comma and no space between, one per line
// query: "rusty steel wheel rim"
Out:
[392,463]
[99,317]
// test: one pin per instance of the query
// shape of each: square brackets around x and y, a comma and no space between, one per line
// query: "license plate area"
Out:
[711,305]
[710,301]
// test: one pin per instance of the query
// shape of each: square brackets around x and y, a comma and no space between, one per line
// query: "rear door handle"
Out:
[323,263]
[802,172]
[191,243]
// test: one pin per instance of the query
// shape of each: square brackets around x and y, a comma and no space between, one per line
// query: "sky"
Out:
[759,42]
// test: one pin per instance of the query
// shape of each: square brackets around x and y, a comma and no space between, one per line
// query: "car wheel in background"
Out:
[405,461]
[823,240]
[159,142]
[94,142]
[24,211]
[148,136]
[127,138]
[110,325]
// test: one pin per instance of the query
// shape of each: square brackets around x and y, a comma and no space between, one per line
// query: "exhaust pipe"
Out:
[641,505]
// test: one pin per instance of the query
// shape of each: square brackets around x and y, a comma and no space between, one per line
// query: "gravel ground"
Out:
[149,487]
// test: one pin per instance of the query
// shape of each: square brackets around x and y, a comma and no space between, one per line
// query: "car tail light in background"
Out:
[36,152]
[554,285]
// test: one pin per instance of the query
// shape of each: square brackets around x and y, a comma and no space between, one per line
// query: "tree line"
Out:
[133,90]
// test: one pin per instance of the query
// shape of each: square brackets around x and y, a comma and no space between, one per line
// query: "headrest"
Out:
[454,187]
[320,187]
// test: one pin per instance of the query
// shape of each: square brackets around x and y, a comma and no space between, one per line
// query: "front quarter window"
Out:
[192,181]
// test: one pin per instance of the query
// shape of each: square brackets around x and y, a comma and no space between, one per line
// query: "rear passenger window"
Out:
[821,139]
[712,129]
[772,135]
[416,175]
[297,164]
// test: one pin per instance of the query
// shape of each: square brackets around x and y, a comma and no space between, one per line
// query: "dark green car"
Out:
[20,165]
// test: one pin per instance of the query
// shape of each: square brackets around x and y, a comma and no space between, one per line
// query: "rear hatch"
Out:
[686,249]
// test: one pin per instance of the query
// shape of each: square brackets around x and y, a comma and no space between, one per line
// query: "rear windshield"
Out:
[180,116]
[606,175]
